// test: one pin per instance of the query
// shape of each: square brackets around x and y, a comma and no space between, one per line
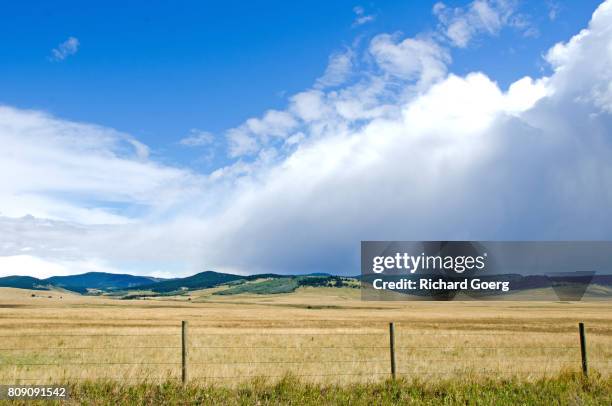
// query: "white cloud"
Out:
[65,49]
[582,65]
[361,17]
[463,159]
[461,25]
[25,264]
[241,142]
[275,123]
[256,132]
[140,247]
[197,138]
[338,69]
[411,58]
[409,63]
[80,172]
[405,151]
[309,105]
[554,8]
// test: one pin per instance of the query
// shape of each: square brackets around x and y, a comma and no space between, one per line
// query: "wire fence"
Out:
[196,355]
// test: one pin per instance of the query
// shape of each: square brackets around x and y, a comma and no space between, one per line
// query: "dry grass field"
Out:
[321,335]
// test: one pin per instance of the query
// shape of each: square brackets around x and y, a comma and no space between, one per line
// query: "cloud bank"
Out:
[388,144]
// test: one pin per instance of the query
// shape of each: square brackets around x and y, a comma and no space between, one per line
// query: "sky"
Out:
[162,139]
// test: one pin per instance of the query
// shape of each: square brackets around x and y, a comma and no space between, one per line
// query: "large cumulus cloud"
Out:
[461,159]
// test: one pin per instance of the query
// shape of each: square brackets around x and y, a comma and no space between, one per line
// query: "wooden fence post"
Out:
[583,350]
[392,348]
[184,352]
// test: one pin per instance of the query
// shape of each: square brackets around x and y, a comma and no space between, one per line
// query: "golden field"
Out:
[323,335]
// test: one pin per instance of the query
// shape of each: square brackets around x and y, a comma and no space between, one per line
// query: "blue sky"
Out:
[165,139]
[157,70]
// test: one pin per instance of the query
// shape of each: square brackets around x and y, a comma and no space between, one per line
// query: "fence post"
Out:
[184,351]
[392,348]
[583,350]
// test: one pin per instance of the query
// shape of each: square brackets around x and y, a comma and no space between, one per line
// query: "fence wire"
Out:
[14,360]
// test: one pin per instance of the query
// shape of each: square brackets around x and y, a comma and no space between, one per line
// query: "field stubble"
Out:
[319,335]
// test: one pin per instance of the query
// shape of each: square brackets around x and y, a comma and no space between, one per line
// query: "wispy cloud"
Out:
[197,138]
[65,49]
[460,25]
[361,17]
[338,69]
[554,8]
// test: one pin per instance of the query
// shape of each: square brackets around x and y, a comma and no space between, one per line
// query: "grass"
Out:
[268,287]
[286,285]
[566,389]
[327,334]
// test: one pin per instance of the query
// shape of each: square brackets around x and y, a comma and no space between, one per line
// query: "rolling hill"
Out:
[99,280]
[127,286]
[23,282]
[209,279]
[202,280]
[78,283]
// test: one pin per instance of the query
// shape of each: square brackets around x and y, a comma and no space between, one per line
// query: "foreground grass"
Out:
[568,389]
